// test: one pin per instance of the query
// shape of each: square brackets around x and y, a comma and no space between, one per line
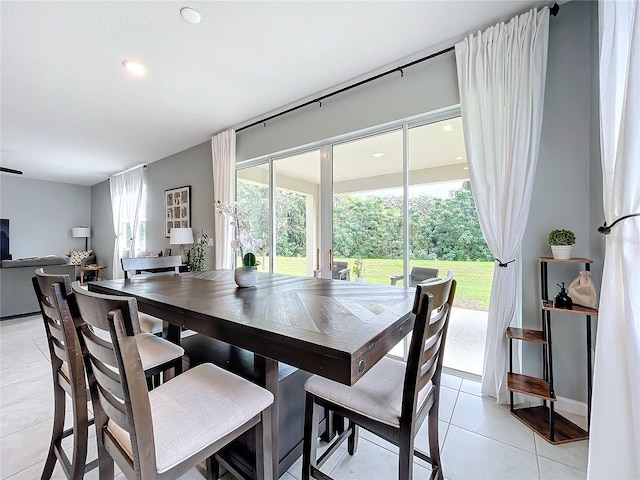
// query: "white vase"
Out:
[360,279]
[561,252]
[246,276]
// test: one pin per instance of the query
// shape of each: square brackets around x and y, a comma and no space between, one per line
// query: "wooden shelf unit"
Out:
[543,419]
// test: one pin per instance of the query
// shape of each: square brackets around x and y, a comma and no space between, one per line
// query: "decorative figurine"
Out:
[563,300]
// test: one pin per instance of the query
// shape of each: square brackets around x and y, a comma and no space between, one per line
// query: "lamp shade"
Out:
[80,232]
[180,236]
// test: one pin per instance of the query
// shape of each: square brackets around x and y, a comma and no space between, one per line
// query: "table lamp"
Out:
[82,232]
[180,236]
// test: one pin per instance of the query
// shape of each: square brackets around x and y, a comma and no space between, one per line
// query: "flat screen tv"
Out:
[4,239]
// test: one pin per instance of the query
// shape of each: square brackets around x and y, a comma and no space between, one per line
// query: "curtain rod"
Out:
[552,10]
[143,165]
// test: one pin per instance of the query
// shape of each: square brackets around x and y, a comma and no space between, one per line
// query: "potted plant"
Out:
[198,254]
[358,269]
[247,274]
[561,242]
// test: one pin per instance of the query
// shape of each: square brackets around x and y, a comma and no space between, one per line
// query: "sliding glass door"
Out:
[391,206]
[367,207]
[297,213]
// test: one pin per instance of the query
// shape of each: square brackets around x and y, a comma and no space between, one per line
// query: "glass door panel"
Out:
[445,235]
[253,198]
[368,202]
[297,213]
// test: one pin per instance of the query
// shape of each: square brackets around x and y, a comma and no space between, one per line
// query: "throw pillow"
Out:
[77,256]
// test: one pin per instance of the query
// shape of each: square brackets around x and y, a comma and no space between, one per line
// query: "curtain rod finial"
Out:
[554,9]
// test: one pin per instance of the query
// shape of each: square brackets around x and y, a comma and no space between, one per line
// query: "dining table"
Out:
[334,328]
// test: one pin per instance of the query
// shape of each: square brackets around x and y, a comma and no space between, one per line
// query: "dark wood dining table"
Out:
[334,328]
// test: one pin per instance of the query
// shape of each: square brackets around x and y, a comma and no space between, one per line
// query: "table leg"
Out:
[81,276]
[266,371]
[172,332]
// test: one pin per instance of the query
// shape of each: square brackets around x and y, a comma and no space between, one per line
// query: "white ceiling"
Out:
[70,113]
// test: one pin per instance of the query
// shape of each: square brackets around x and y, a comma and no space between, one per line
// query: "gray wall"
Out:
[567,191]
[190,167]
[41,215]
[426,87]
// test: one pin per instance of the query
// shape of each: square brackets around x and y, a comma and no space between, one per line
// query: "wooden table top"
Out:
[333,328]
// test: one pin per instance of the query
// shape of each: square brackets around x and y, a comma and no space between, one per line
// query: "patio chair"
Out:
[341,271]
[392,399]
[417,275]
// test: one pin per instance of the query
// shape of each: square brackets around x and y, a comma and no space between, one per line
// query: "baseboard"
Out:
[571,406]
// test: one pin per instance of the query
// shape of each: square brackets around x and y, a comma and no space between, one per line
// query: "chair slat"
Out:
[98,347]
[437,323]
[50,310]
[60,352]
[108,379]
[431,350]
[55,330]
[114,409]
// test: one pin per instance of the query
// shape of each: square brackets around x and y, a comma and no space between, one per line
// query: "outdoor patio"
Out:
[465,340]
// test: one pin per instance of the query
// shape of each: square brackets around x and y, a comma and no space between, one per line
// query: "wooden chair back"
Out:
[67,366]
[432,307]
[132,266]
[117,379]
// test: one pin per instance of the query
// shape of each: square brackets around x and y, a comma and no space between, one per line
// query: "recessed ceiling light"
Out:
[459,157]
[190,15]
[465,168]
[378,154]
[135,68]
[447,128]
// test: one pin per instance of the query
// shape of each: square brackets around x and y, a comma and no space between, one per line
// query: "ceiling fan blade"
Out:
[10,170]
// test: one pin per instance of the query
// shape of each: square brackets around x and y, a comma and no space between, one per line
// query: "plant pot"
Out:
[561,252]
[246,276]
[360,279]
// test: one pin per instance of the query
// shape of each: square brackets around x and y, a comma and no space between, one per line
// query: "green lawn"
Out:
[474,278]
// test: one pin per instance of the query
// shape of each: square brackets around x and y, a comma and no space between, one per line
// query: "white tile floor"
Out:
[479,438]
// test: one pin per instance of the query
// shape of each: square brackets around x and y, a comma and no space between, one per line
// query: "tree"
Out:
[453,229]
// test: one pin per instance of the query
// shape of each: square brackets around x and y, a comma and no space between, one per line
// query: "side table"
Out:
[97,269]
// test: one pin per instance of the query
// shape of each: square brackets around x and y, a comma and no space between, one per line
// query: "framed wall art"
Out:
[177,207]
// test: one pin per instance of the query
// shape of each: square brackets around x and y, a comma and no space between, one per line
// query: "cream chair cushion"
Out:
[156,351]
[149,323]
[377,395]
[195,409]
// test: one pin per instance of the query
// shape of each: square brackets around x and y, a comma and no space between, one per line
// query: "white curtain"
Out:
[501,76]
[614,444]
[126,197]
[223,155]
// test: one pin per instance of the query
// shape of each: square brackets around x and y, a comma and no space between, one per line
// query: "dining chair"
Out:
[61,321]
[150,266]
[68,372]
[164,432]
[393,399]
[417,275]
[145,266]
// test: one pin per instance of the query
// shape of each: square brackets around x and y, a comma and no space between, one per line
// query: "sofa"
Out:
[17,297]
